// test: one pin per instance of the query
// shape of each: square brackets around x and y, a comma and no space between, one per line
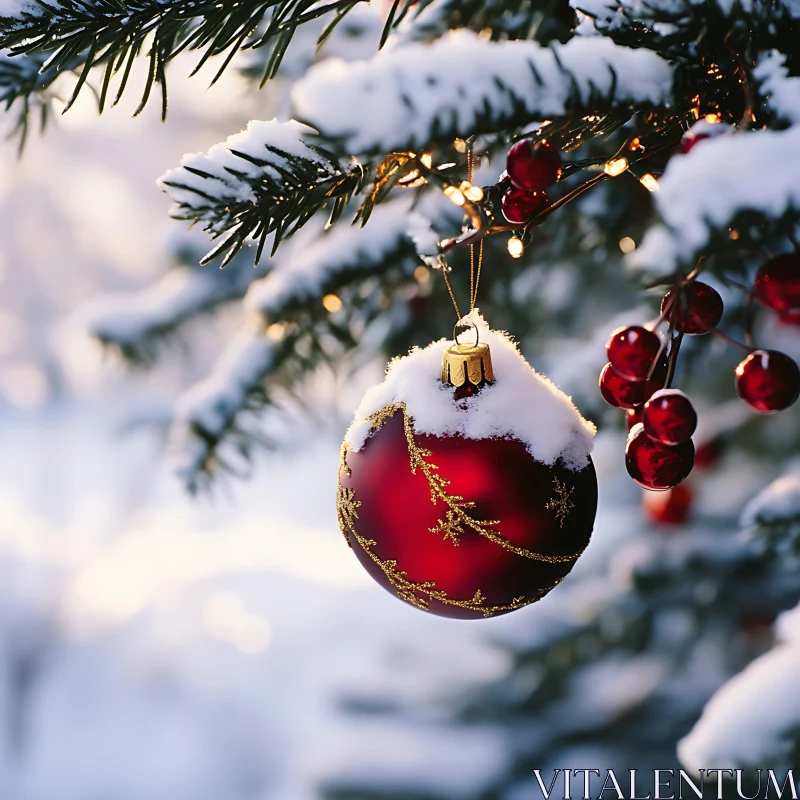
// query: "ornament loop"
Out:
[462,324]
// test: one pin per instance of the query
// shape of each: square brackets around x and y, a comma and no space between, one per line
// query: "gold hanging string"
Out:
[445,269]
[470,173]
[474,279]
[474,273]
[474,297]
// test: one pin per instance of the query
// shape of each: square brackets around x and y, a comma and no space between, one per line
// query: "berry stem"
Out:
[673,360]
[744,348]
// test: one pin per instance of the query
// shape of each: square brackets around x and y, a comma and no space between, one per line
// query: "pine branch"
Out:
[211,417]
[542,20]
[461,85]
[137,324]
[334,260]
[79,35]
[773,516]
[210,412]
[261,182]
[24,83]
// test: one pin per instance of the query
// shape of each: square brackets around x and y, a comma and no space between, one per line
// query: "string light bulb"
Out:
[515,247]
[472,192]
[616,166]
[455,195]
[426,159]
[649,182]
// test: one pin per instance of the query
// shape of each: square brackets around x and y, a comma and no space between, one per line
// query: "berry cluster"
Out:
[659,452]
[530,169]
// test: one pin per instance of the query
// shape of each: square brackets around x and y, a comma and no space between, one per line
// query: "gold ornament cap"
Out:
[467,363]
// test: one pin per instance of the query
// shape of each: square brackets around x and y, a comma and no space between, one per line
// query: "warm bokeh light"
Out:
[331,303]
[276,330]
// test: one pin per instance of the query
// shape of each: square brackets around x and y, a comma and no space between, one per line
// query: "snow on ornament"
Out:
[465,483]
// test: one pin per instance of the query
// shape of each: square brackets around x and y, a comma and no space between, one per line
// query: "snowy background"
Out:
[155,647]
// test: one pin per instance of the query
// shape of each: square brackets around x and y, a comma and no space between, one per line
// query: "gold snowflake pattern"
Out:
[561,503]
[346,510]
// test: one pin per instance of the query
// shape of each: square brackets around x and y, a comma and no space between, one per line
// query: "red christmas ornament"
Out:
[669,417]
[768,381]
[631,352]
[620,393]
[520,206]
[655,465]
[694,308]
[670,507]
[777,283]
[461,527]
[533,167]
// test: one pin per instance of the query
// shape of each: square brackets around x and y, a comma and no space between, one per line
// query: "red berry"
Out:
[533,167]
[768,381]
[655,465]
[669,417]
[708,453]
[620,393]
[519,206]
[633,416]
[777,283]
[702,130]
[631,352]
[671,507]
[694,308]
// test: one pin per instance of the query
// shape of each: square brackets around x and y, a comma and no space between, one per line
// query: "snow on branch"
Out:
[782,93]
[407,96]
[208,411]
[135,322]
[774,513]
[753,720]
[332,260]
[263,180]
[701,194]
